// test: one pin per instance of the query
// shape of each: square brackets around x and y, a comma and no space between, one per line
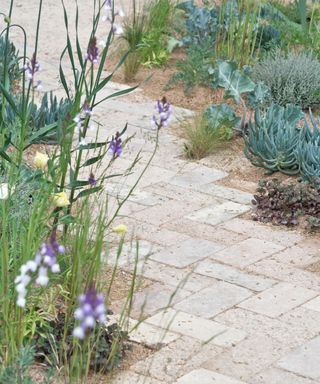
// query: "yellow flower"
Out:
[121,229]
[40,160]
[61,199]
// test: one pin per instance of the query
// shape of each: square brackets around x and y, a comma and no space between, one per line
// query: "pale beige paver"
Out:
[263,232]
[278,300]
[175,277]
[313,304]
[279,376]
[188,325]
[218,213]
[149,334]
[212,300]
[305,360]
[233,275]
[204,376]
[284,272]
[247,252]
[186,253]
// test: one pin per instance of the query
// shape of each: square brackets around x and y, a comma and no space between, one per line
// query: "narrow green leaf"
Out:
[87,192]
[119,93]
[93,160]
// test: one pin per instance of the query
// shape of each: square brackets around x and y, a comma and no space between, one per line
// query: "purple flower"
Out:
[164,113]
[44,259]
[32,67]
[115,146]
[92,180]
[91,309]
[93,51]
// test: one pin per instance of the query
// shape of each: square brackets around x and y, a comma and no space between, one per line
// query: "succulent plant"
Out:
[12,61]
[308,150]
[272,138]
[49,111]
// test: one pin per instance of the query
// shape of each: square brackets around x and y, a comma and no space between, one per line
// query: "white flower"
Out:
[42,278]
[78,314]
[79,333]
[90,321]
[55,268]
[21,302]
[120,13]
[32,265]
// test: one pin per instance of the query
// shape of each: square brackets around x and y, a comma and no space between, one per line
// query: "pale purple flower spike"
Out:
[164,113]
[90,311]
[45,259]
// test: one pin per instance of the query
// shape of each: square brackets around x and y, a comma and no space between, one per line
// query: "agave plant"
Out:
[308,150]
[273,137]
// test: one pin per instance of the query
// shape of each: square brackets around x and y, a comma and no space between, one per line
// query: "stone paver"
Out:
[218,213]
[280,299]
[186,252]
[279,376]
[204,376]
[238,283]
[212,300]
[247,252]
[305,360]
[233,275]
[188,325]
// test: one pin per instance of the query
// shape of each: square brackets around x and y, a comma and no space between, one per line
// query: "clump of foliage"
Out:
[222,118]
[146,34]
[308,149]
[109,341]
[195,68]
[293,78]
[273,137]
[284,203]
[153,46]
[18,371]
[208,131]
[50,110]
[281,139]
[9,57]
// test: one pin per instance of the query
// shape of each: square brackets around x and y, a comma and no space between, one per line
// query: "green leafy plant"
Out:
[48,112]
[283,203]
[195,69]
[234,81]
[292,78]
[209,131]
[272,138]
[222,118]
[18,371]
[9,53]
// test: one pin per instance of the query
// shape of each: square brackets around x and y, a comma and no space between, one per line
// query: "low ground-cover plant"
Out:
[293,78]
[283,203]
